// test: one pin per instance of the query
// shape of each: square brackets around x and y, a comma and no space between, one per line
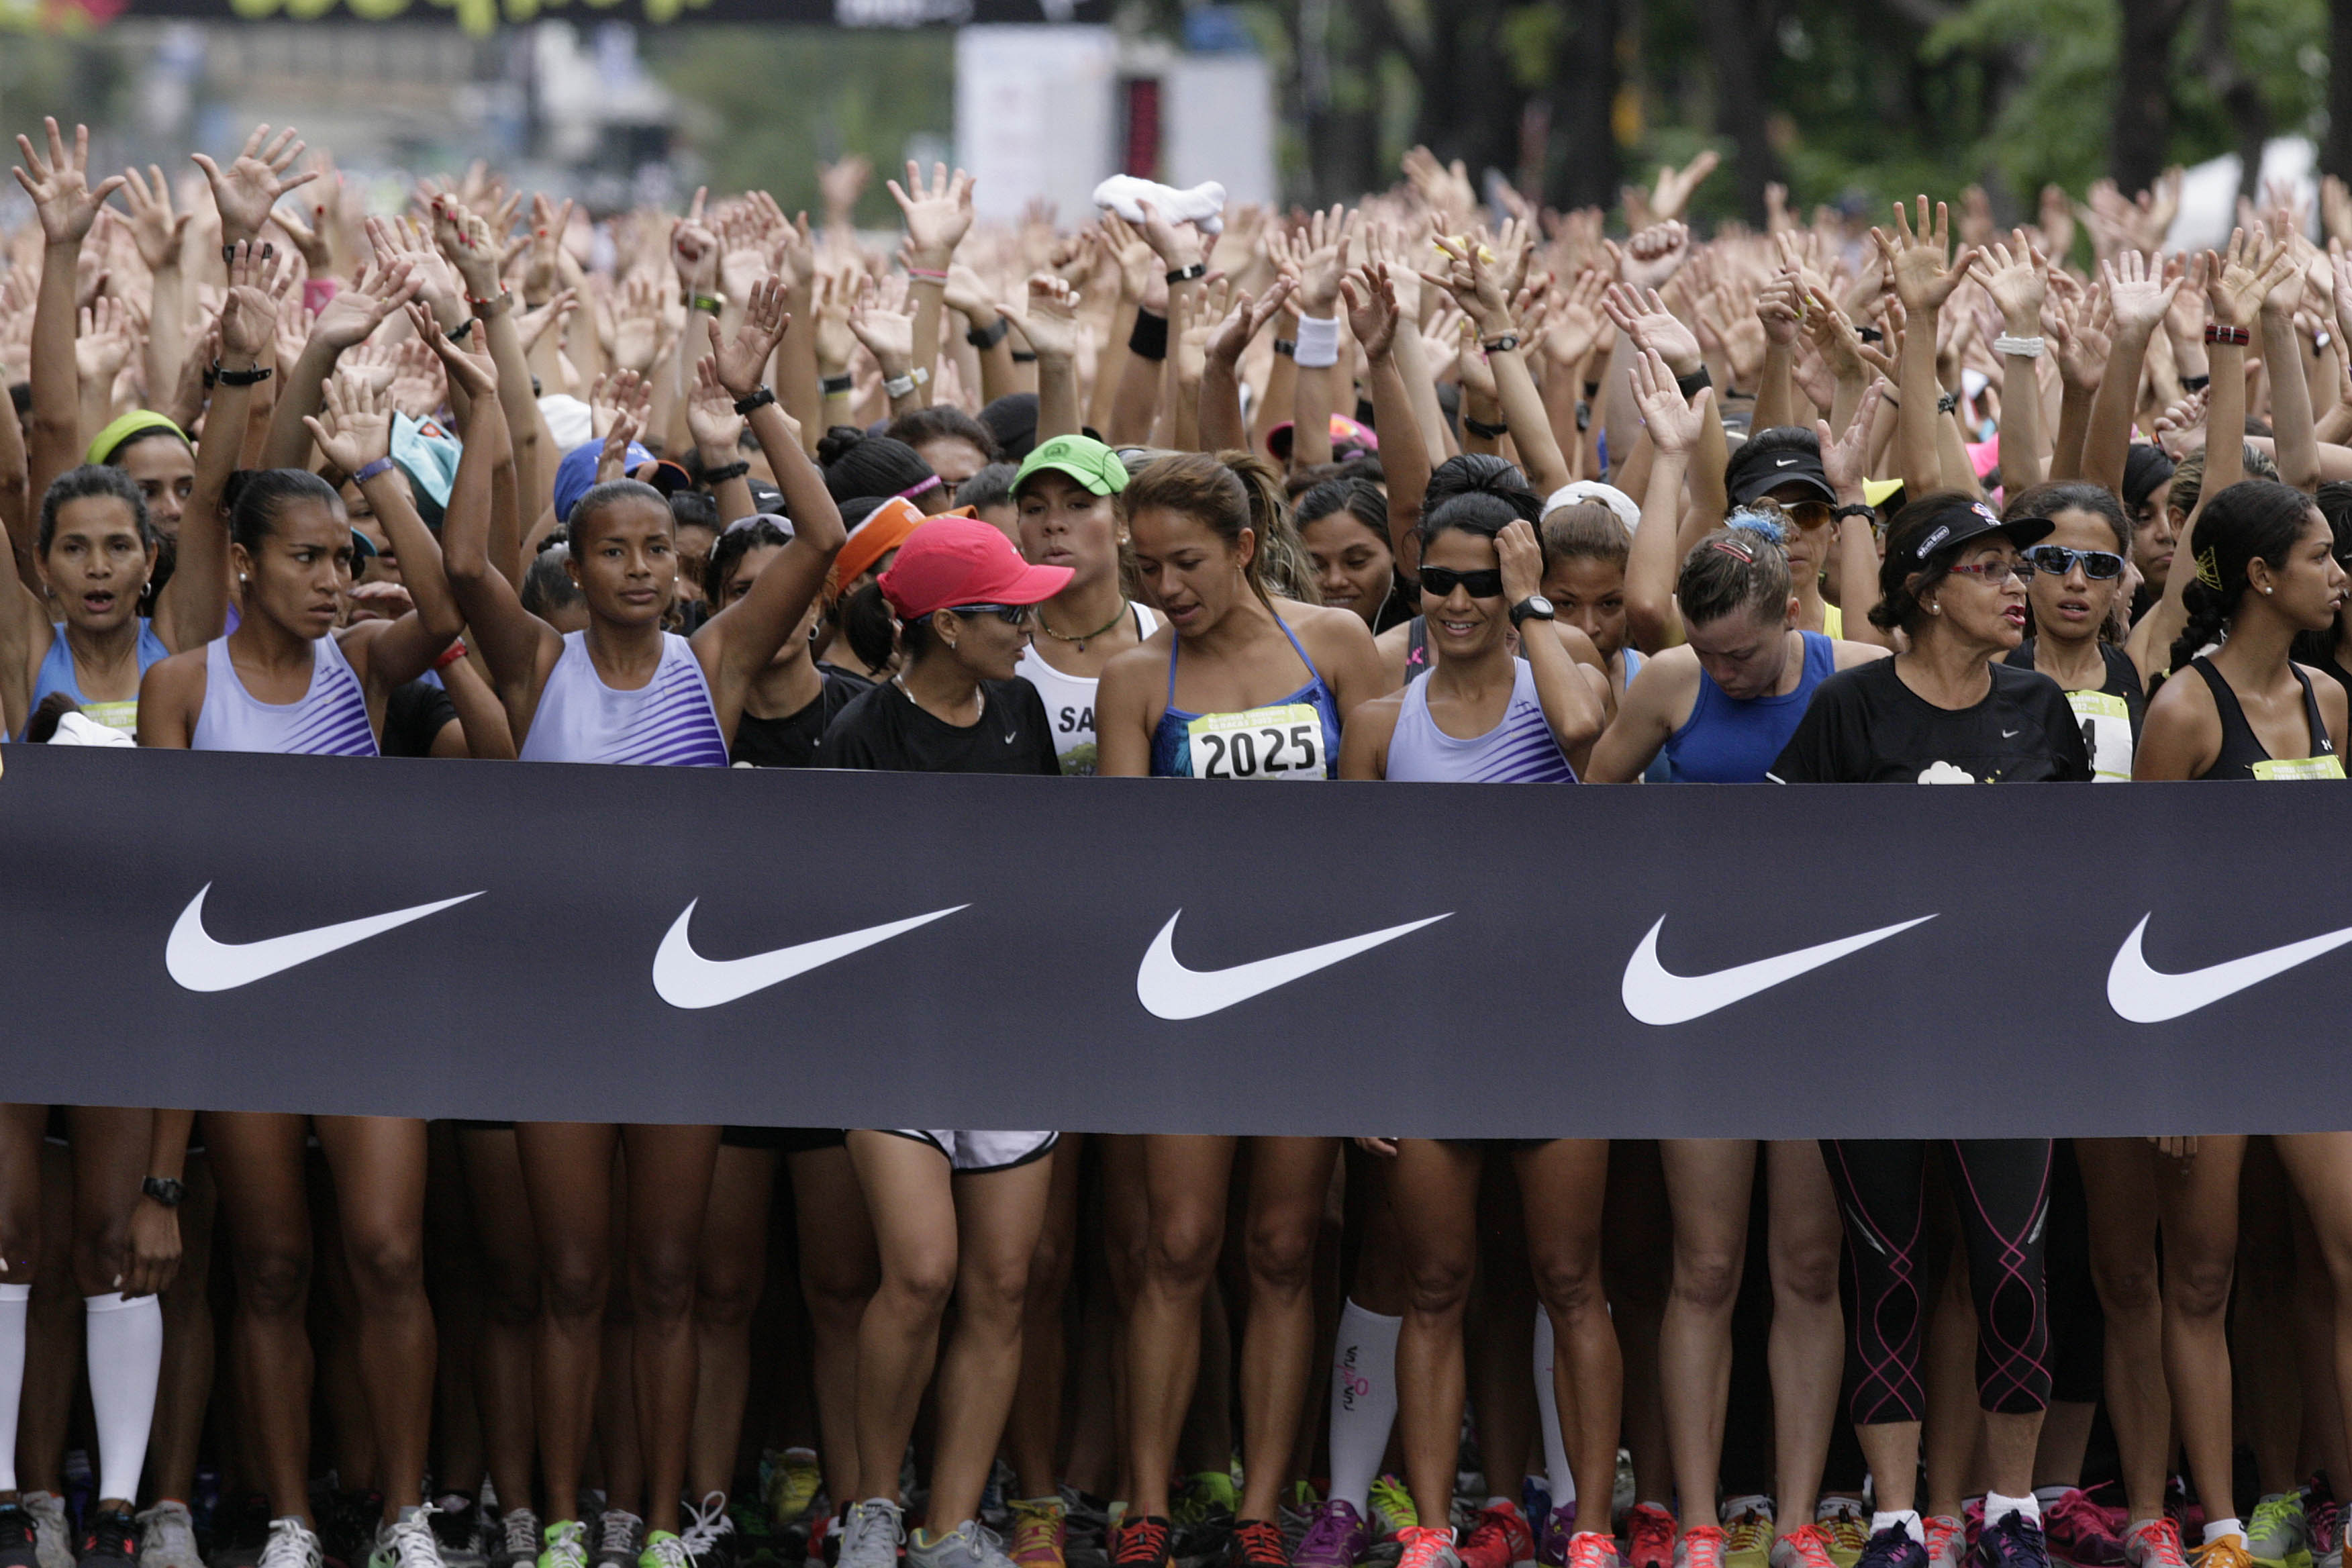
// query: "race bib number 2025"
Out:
[1279,743]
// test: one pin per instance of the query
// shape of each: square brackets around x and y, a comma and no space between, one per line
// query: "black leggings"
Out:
[2002,1188]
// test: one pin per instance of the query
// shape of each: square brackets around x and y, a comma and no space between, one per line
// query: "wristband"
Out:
[710,304]
[724,472]
[1287,347]
[381,466]
[485,309]
[836,385]
[1688,386]
[1500,346]
[253,377]
[758,399]
[450,655]
[457,334]
[2235,337]
[1024,356]
[1149,339]
[986,338]
[1947,403]
[2024,348]
[929,274]
[2195,382]
[1319,342]
[1870,334]
[1484,431]
[1186,274]
[902,385]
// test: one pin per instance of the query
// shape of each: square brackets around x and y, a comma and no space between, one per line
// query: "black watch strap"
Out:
[164,1191]
[1842,513]
[1689,385]
[986,338]
[758,399]
[1525,610]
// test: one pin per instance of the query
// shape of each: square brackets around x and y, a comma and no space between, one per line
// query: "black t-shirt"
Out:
[1864,726]
[2110,729]
[414,715]
[883,728]
[791,740]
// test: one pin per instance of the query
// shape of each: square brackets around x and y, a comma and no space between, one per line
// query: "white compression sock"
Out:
[2221,1528]
[1907,1518]
[1997,1508]
[126,1359]
[13,1299]
[1563,1483]
[1364,1402]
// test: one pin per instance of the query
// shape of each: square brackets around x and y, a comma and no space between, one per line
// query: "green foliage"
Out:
[776,101]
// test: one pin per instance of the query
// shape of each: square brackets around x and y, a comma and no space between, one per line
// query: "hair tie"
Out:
[1757,523]
[1734,549]
[912,492]
[2209,569]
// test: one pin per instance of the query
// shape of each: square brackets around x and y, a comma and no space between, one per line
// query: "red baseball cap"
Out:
[952,561]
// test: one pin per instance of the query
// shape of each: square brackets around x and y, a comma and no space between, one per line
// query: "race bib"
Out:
[123,715]
[1281,743]
[2106,735]
[2291,768]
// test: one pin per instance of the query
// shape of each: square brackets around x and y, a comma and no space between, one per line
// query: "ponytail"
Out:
[2253,520]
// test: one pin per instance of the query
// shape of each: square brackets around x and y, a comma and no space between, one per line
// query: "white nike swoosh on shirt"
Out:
[2011,734]
[200,963]
[1168,990]
[685,979]
[2143,995]
[1655,997]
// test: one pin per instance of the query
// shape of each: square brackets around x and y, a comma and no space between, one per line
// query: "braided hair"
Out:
[2253,519]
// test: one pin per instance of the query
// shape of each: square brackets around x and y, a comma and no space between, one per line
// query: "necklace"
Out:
[979,698]
[1080,641]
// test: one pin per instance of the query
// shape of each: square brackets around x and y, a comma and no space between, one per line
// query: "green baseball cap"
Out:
[1082,458]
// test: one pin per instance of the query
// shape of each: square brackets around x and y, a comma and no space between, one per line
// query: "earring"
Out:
[1934,610]
[2266,587]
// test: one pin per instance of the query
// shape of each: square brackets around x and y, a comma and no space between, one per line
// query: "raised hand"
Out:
[535,323]
[634,317]
[938,214]
[2080,325]
[1645,320]
[250,313]
[711,417]
[1671,198]
[694,249]
[1047,316]
[1917,259]
[840,184]
[889,334]
[2180,429]
[543,274]
[1520,556]
[255,179]
[1475,287]
[622,395]
[1321,252]
[1846,459]
[465,240]
[358,308]
[1369,292]
[1445,187]
[1780,309]
[476,374]
[356,426]
[837,293]
[743,361]
[59,184]
[155,228]
[1577,323]
[2019,280]
[1675,424]
[103,341]
[1651,257]
[2239,281]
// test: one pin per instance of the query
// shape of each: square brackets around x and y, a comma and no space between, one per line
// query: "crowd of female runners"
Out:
[1398,493]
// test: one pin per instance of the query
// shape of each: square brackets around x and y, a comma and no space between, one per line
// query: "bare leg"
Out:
[909,1194]
[839,1269]
[1807,1343]
[258,1159]
[567,1169]
[2200,1207]
[2119,1185]
[1034,1430]
[502,1390]
[732,1264]
[188,1350]
[998,1216]
[1290,1180]
[1562,1184]
[379,1167]
[1707,1184]
[1185,1181]
[669,1194]
[1433,1193]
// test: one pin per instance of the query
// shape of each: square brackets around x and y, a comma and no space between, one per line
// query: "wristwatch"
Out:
[164,1191]
[1534,607]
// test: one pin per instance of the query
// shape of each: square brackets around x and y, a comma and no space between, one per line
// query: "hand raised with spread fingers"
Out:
[1047,316]
[1674,423]
[354,426]
[59,184]
[743,360]
[1919,258]
[254,180]
[938,214]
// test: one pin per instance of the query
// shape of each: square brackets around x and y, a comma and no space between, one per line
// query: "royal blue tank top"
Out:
[1728,740]
[1294,737]
[56,674]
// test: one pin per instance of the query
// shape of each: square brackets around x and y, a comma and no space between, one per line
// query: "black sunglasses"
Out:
[2057,560]
[1011,614]
[1440,582]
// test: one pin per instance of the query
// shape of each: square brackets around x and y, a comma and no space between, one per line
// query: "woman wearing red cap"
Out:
[956,1214]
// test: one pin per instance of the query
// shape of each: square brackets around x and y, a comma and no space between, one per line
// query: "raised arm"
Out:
[354,433]
[1844,461]
[67,205]
[2138,297]
[939,214]
[1050,321]
[2017,279]
[466,239]
[1916,259]
[1479,293]
[1221,428]
[158,233]
[356,310]
[1319,257]
[1652,621]
[1375,317]
[2295,447]
[1570,706]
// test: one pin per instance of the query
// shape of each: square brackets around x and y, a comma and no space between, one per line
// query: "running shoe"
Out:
[620,1539]
[1257,1543]
[516,1540]
[1206,1494]
[1552,1540]
[1592,1548]
[1425,1546]
[111,1541]
[1649,1537]
[970,1544]
[2278,1533]
[709,1537]
[408,1542]
[1501,1538]
[1747,1533]
[1948,1540]
[1807,1546]
[1337,1537]
[167,1538]
[457,1525]
[2079,1532]
[2012,1541]
[2327,1521]
[19,1542]
[871,1535]
[292,1544]
[2155,1543]
[1392,1510]
[793,1486]
[663,1548]
[1893,1548]
[1700,1547]
[567,1544]
[2230,1551]
[1847,1526]
[1040,1533]
[1143,1542]
[51,1539]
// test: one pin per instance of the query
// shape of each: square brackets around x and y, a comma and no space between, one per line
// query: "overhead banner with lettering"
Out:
[483,16]
[838,948]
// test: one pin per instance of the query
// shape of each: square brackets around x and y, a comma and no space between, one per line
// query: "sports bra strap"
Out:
[1314,676]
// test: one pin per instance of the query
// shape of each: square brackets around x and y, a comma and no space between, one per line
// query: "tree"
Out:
[2139,147]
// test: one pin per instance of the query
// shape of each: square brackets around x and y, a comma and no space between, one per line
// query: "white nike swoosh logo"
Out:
[2145,995]
[1168,990]
[687,979]
[2010,734]
[1655,997]
[1784,463]
[200,963]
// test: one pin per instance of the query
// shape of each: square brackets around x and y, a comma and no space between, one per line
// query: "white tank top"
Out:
[669,721]
[1070,699]
[330,721]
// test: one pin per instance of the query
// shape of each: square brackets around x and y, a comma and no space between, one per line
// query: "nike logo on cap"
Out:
[1168,990]
[1784,462]
[200,963]
[685,979]
[1655,997]
[2144,996]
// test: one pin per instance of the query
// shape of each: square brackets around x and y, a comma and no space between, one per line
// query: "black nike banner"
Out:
[838,949]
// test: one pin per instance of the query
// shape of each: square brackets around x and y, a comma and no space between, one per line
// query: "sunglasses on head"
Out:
[1439,582]
[2057,560]
[1011,614]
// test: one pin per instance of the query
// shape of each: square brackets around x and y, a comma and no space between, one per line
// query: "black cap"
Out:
[1754,471]
[1960,523]
[1013,420]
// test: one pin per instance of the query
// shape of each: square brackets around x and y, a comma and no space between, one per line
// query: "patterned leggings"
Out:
[2001,1186]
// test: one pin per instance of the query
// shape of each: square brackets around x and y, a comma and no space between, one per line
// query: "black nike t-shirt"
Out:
[414,717]
[791,740]
[883,728]
[1864,726]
